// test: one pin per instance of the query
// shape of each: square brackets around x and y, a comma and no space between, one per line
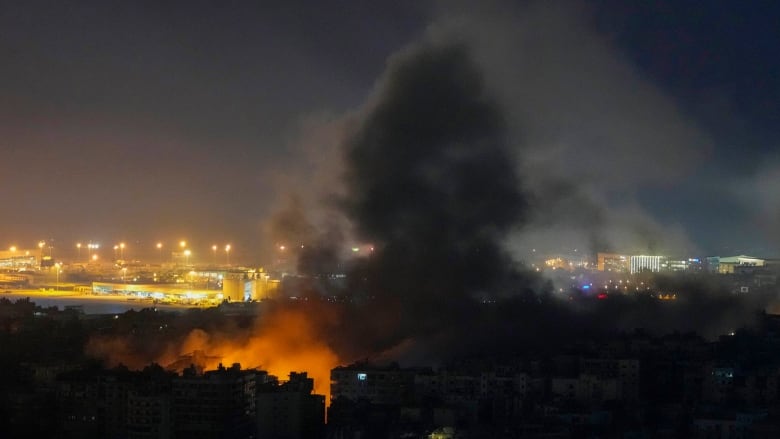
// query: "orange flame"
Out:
[283,341]
[286,341]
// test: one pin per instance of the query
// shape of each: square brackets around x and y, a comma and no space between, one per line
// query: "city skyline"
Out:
[499,218]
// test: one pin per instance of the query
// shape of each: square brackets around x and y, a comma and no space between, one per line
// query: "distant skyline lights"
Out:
[73,251]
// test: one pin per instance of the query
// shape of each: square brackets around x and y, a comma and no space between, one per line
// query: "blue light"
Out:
[586,287]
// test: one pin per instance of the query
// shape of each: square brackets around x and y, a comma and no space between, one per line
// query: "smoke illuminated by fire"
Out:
[283,341]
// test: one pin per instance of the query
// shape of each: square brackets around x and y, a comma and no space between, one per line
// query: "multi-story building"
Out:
[642,263]
[733,264]
[612,262]
[219,403]
[387,385]
[148,415]
[290,410]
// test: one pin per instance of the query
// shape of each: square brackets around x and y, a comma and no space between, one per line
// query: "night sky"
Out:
[637,126]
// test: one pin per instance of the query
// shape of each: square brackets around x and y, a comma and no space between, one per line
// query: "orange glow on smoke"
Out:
[281,342]
[286,341]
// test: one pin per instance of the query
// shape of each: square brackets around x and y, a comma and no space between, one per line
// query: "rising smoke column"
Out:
[431,182]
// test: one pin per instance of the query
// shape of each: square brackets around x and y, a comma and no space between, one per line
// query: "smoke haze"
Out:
[501,130]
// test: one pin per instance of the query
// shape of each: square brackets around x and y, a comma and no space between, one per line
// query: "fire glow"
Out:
[284,341]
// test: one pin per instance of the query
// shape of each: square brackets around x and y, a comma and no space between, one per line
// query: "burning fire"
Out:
[284,342]
[281,342]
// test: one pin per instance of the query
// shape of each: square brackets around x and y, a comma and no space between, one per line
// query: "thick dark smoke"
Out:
[431,182]
[314,249]
[432,185]
[430,179]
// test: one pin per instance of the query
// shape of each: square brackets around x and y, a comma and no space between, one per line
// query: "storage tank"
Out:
[233,289]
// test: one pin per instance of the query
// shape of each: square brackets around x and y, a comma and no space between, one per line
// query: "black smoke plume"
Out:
[315,249]
[431,183]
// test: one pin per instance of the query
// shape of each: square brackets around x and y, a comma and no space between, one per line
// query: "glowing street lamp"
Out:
[78,246]
[214,249]
[159,249]
[182,244]
[116,247]
[95,257]
[91,247]
[227,254]
[187,254]
[122,251]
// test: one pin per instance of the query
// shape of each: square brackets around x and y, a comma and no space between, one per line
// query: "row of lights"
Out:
[121,247]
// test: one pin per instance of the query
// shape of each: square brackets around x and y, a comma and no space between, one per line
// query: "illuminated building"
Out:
[253,285]
[181,293]
[556,263]
[642,263]
[690,264]
[612,262]
[16,259]
[732,264]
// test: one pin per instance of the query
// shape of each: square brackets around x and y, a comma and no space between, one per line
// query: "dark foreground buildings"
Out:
[154,403]
[623,385]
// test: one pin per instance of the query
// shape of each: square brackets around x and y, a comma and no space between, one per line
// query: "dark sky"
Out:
[146,121]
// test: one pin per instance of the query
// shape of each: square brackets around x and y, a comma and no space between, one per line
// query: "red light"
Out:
[601,296]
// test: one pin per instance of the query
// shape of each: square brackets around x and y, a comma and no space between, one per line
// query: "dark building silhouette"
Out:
[290,410]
